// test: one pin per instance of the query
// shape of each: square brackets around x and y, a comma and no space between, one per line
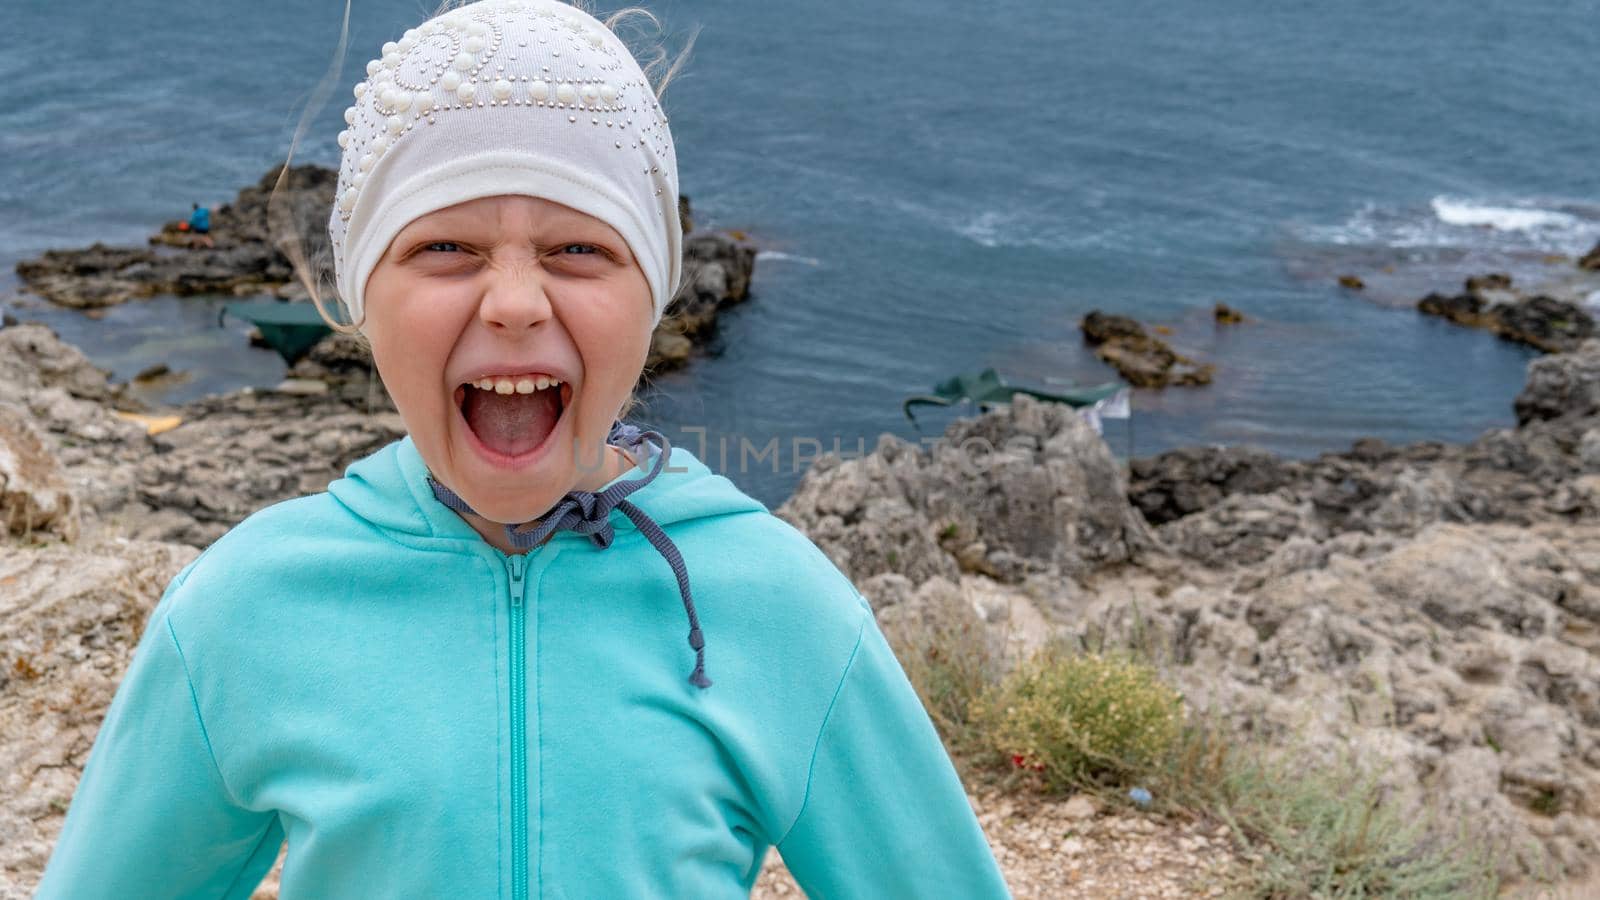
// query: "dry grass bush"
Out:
[1070,720]
[1085,719]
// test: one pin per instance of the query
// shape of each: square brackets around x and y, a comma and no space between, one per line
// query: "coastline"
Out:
[1431,605]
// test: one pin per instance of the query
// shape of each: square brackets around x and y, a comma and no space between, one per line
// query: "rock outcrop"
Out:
[1142,359]
[1491,303]
[1032,492]
[229,456]
[33,494]
[70,618]
[245,260]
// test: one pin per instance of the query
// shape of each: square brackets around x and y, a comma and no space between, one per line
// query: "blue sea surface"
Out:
[938,187]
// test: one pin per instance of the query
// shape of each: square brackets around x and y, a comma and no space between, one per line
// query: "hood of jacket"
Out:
[389,490]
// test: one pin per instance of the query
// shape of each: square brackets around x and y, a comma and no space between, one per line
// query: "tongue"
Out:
[511,424]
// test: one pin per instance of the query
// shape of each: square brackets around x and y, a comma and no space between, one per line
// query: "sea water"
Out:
[938,187]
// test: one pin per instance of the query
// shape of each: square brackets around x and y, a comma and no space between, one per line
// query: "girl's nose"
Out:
[515,298]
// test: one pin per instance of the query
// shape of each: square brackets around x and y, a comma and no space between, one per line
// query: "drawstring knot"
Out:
[589,513]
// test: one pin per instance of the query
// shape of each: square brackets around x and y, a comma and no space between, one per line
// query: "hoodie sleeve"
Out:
[885,814]
[152,816]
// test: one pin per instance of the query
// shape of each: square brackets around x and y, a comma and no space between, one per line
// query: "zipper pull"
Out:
[515,563]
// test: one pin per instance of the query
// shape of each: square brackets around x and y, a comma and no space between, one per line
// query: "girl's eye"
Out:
[585,249]
[435,245]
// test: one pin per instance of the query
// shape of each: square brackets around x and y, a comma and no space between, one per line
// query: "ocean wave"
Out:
[1452,211]
[782,256]
[1447,223]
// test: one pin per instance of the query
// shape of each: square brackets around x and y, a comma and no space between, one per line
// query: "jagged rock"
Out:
[70,618]
[237,453]
[1241,530]
[1174,484]
[1143,360]
[34,499]
[1562,385]
[1544,470]
[32,358]
[66,398]
[1454,661]
[717,269]
[1033,482]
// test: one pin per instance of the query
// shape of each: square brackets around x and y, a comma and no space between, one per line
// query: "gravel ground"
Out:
[1066,849]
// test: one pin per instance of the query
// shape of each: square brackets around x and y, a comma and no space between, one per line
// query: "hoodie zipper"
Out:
[519,752]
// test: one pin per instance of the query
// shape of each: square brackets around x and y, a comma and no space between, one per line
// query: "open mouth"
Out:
[512,417]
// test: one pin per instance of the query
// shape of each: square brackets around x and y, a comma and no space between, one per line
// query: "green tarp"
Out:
[292,329]
[987,389]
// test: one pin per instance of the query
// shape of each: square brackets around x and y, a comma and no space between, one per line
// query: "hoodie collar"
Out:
[389,490]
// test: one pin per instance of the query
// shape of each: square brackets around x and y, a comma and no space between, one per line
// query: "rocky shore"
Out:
[246,260]
[1430,606]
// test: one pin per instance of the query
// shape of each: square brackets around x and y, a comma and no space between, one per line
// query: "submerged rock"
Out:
[1489,302]
[1591,260]
[1142,360]
[1226,315]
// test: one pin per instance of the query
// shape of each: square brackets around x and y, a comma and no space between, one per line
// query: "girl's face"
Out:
[472,309]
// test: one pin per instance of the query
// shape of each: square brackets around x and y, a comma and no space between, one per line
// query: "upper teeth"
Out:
[515,385]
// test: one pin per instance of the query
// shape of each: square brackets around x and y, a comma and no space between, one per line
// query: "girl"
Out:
[426,698]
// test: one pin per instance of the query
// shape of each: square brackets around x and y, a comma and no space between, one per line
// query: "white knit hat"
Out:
[506,97]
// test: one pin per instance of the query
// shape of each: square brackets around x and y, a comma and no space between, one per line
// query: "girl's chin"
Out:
[502,507]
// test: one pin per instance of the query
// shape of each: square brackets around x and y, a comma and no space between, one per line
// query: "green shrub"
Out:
[1084,719]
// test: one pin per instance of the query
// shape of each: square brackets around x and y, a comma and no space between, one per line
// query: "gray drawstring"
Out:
[589,513]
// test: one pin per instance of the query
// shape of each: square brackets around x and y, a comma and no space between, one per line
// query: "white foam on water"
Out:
[1022,228]
[779,255]
[1455,223]
[988,229]
[1453,211]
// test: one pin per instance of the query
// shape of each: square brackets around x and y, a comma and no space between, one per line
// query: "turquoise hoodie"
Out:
[422,715]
